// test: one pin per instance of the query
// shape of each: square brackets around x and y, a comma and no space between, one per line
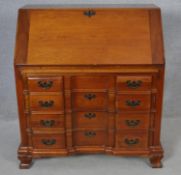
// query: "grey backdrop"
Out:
[9,132]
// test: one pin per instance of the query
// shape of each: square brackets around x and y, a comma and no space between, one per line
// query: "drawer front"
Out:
[47,121]
[46,103]
[132,140]
[91,82]
[90,119]
[133,102]
[89,100]
[133,83]
[132,121]
[89,138]
[45,84]
[56,141]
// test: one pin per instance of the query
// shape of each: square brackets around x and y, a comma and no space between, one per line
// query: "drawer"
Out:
[132,140]
[133,83]
[133,102]
[48,141]
[47,121]
[46,103]
[91,82]
[45,84]
[90,119]
[89,138]
[89,100]
[132,121]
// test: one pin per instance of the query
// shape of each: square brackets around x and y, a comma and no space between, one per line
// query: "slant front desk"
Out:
[89,80]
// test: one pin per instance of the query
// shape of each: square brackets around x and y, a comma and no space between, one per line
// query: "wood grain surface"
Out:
[89,80]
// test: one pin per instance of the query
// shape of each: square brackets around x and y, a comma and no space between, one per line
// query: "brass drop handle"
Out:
[89,115]
[45,84]
[47,123]
[90,134]
[48,142]
[131,141]
[133,103]
[90,96]
[46,104]
[89,13]
[134,84]
[132,123]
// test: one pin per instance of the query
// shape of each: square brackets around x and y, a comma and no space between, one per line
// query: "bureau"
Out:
[89,80]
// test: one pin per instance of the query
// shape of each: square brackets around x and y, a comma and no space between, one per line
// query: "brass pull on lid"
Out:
[89,13]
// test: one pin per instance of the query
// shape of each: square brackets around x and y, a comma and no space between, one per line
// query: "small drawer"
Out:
[89,138]
[46,103]
[132,121]
[132,140]
[89,100]
[45,84]
[91,82]
[90,119]
[133,83]
[48,141]
[133,102]
[47,121]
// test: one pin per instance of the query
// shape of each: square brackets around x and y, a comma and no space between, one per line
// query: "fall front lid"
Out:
[89,36]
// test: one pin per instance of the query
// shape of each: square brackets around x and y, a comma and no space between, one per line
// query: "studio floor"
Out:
[91,164]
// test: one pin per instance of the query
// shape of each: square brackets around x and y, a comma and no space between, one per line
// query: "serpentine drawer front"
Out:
[89,80]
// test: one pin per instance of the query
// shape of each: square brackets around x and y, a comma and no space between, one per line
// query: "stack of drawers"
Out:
[90,113]
[90,100]
[91,108]
[46,112]
[133,111]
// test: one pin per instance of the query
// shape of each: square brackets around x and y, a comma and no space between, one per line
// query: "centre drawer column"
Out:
[90,108]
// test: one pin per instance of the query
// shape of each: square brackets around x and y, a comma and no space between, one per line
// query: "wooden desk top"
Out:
[113,35]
